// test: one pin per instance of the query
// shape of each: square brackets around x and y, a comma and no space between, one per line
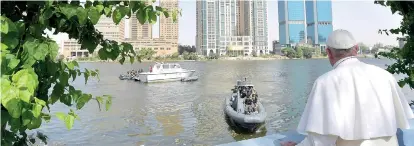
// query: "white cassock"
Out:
[355,104]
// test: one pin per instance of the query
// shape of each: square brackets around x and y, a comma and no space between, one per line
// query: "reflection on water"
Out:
[191,113]
[171,123]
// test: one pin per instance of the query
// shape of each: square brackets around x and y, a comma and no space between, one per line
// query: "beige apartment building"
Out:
[71,48]
[140,36]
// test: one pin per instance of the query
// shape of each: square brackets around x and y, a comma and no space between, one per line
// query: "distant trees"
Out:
[300,52]
[308,52]
[364,48]
[146,53]
[186,48]
[289,52]
[189,56]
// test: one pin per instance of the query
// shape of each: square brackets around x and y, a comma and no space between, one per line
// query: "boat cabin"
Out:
[158,67]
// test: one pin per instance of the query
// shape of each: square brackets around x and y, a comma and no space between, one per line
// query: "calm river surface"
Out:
[177,113]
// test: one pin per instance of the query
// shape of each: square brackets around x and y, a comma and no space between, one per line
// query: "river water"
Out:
[191,113]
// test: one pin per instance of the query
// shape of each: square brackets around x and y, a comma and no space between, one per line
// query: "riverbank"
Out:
[270,57]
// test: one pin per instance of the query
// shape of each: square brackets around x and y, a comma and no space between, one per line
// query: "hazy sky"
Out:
[362,18]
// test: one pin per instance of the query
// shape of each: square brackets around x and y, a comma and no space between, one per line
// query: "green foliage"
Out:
[308,52]
[404,57]
[289,52]
[146,53]
[299,52]
[189,56]
[176,55]
[212,56]
[29,64]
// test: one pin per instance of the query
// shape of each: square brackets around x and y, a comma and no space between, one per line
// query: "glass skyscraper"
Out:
[307,21]
[319,21]
[292,22]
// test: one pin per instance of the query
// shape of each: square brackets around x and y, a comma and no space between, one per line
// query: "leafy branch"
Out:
[29,64]
[404,57]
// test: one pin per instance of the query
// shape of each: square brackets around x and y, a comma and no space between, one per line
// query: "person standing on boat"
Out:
[355,104]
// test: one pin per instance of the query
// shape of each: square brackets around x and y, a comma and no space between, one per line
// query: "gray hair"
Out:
[342,52]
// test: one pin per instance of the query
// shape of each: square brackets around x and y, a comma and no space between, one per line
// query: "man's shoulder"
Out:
[368,69]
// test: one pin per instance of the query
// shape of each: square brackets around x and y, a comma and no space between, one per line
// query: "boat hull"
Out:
[247,122]
[165,77]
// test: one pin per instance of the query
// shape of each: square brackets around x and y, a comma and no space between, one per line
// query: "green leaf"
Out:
[71,65]
[107,10]
[88,4]
[61,116]
[46,117]
[9,33]
[13,63]
[401,83]
[63,78]
[41,51]
[132,59]
[82,15]
[53,49]
[134,5]
[25,95]
[118,14]
[74,74]
[174,16]
[48,13]
[94,14]
[100,8]
[57,92]
[21,28]
[122,60]
[34,124]
[100,101]
[166,14]
[102,54]
[37,109]
[142,16]
[26,117]
[89,44]
[66,99]
[40,102]
[10,41]
[7,25]
[15,124]
[83,100]
[13,106]
[68,10]
[69,121]
[4,117]
[26,78]
[86,75]
[158,8]
[152,17]
[108,102]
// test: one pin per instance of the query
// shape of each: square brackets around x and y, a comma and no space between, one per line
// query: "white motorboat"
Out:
[165,72]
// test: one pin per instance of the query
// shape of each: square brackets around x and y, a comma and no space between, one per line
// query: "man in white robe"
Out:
[355,104]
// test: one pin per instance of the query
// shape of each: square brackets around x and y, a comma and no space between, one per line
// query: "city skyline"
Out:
[232,27]
[362,18]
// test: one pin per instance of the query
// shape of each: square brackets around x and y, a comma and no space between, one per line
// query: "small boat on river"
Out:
[243,107]
[131,75]
[165,72]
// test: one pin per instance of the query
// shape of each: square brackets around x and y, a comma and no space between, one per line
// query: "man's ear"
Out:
[355,50]
[329,53]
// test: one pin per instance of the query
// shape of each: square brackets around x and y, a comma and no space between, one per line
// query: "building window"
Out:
[155,48]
